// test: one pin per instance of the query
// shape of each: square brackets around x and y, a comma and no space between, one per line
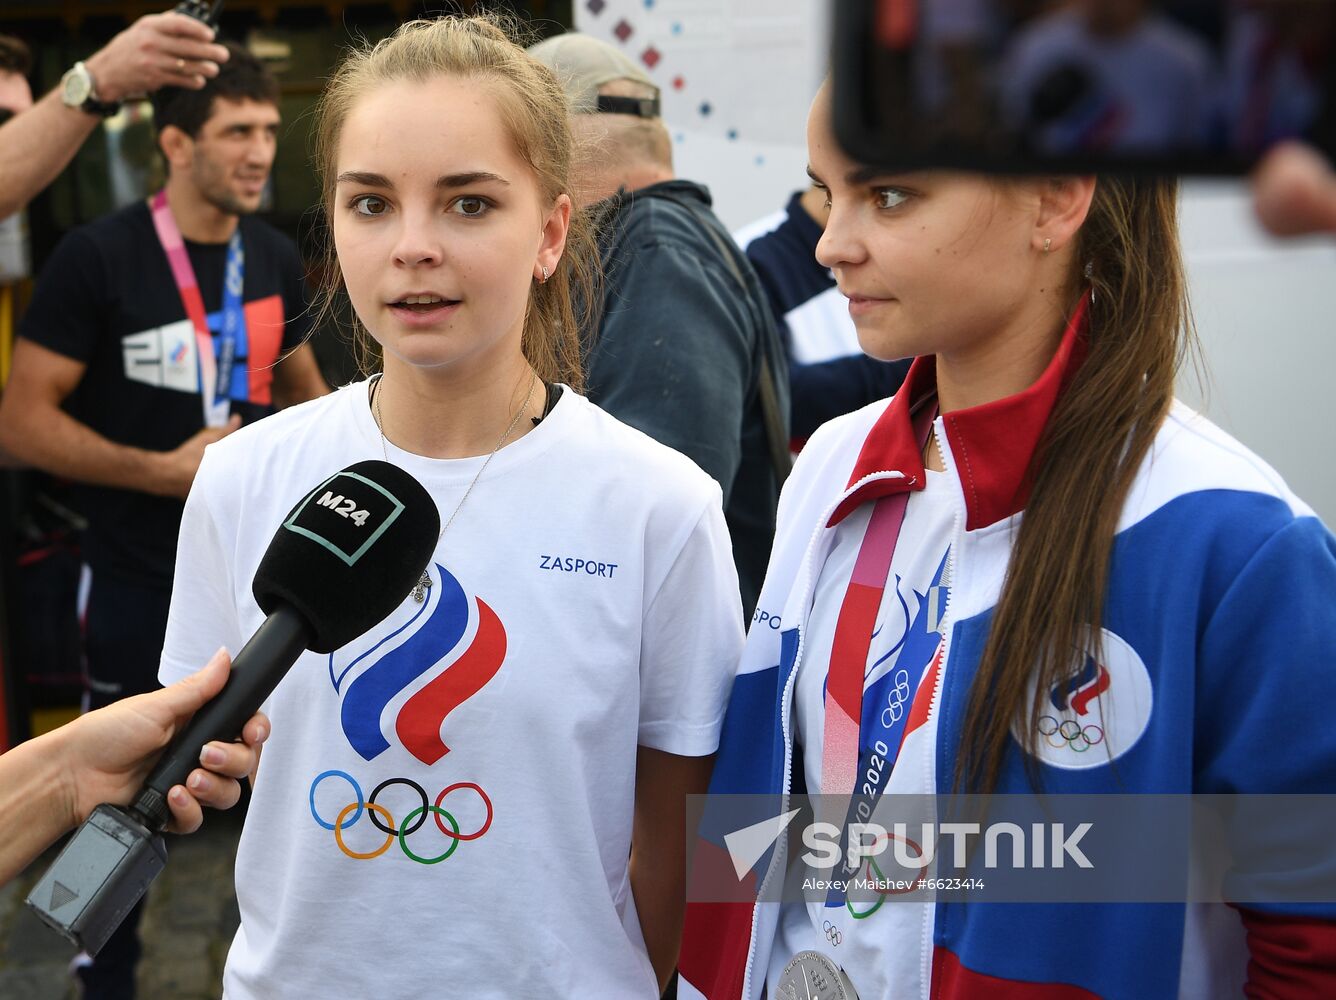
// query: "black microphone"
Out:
[342,560]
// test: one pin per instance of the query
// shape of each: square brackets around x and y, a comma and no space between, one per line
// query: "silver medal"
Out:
[810,975]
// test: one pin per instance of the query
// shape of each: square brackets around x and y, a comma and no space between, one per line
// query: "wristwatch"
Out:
[79,90]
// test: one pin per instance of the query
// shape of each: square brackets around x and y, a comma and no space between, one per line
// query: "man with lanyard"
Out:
[152,333]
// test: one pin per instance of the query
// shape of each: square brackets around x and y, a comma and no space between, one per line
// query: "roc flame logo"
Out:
[1081,690]
[1096,716]
[431,637]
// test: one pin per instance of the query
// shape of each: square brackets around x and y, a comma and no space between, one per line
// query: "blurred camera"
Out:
[201,10]
[1100,86]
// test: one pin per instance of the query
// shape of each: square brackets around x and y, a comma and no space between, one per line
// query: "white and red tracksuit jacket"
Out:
[1222,586]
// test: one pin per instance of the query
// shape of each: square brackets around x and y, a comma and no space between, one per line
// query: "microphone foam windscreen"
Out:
[350,552]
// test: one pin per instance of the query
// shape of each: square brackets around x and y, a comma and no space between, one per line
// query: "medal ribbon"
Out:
[214,387]
[842,750]
[854,626]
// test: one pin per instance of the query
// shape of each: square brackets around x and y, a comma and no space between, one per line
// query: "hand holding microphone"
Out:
[108,754]
[342,560]
[51,783]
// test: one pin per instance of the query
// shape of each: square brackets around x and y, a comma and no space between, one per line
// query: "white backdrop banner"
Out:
[737,77]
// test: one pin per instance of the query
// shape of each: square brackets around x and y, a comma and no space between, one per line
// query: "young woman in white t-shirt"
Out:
[486,792]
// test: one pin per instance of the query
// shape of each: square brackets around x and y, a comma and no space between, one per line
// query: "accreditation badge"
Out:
[810,975]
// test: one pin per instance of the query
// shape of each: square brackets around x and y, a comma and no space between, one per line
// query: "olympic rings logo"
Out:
[833,934]
[874,870]
[1069,733]
[382,819]
[895,700]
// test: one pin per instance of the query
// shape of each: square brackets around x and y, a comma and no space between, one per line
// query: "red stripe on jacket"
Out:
[1289,957]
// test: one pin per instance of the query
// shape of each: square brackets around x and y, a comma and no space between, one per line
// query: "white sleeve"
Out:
[203,613]
[691,641]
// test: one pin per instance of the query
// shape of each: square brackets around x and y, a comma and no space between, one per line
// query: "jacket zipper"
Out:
[939,683]
[957,541]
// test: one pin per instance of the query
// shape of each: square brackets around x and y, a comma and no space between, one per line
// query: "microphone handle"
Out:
[256,671]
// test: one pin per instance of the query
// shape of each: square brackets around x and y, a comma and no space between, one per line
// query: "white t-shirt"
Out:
[594,566]
[882,949]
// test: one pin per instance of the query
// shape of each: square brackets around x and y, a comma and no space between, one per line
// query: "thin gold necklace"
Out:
[420,590]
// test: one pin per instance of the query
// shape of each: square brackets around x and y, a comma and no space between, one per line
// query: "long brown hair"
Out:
[533,109]
[1097,438]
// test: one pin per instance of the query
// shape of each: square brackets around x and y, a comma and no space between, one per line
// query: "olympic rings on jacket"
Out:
[1070,733]
[896,699]
[833,934]
[383,820]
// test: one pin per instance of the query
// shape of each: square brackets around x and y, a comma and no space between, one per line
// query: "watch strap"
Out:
[104,109]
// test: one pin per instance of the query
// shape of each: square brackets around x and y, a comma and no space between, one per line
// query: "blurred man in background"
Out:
[153,332]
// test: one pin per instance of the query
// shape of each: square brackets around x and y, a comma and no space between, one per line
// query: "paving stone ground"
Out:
[186,931]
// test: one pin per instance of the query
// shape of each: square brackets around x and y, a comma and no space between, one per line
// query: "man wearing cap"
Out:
[686,349]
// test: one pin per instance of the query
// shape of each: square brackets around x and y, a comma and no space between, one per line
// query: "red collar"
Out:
[991,443]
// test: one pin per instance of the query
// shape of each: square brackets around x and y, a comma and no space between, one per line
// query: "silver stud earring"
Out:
[1048,244]
[543,279]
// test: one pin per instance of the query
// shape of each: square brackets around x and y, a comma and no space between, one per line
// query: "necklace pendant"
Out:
[420,588]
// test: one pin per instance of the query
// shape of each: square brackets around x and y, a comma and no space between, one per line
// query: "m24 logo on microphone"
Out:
[364,507]
[345,507]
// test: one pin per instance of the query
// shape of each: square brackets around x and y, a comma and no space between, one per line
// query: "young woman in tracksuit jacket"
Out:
[1030,568]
